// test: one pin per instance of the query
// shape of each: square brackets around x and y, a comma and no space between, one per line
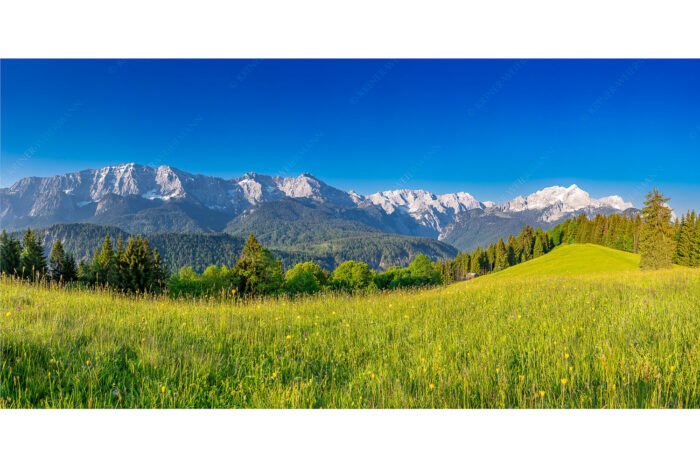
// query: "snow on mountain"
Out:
[557,202]
[71,197]
[434,211]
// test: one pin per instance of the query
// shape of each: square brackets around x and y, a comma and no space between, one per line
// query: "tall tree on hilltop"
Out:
[655,241]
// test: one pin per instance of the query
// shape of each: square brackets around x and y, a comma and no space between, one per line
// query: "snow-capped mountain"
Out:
[152,199]
[433,211]
[556,202]
[70,193]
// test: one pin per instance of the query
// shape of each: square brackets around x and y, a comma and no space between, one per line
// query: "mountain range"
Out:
[282,211]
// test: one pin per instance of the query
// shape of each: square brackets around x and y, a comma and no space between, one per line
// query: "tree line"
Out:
[133,266]
[649,233]
[497,256]
[136,267]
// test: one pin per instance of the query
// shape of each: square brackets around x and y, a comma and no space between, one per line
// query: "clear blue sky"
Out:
[494,128]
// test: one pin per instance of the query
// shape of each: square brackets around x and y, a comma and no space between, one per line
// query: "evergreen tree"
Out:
[656,242]
[684,242]
[259,271]
[70,273]
[491,256]
[57,261]
[501,255]
[10,251]
[695,257]
[538,250]
[33,259]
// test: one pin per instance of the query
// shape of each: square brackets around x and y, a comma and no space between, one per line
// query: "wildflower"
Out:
[613,387]
[571,368]
[289,336]
[274,374]
[8,314]
[54,361]
[566,356]
[520,316]
[372,375]
[521,377]
[497,370]
[563,381]
[162,389]
[542,393]
[432,386]
[87,363]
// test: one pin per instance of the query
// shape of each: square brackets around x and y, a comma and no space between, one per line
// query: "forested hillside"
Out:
[198,251]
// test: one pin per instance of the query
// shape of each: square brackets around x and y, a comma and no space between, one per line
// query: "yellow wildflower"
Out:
[566,356]
[563,381]
[542,393]
[8,314]
[274,374]
[162,389]
[522,377]
[289,336]
[432,386]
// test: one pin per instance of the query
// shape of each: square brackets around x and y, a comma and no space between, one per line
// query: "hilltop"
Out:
[575,259]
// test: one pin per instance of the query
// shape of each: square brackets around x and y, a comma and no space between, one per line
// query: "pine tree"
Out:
[695,255]
[257,269]
[10,250]
[684,242]
[538,250]
[476,261]
[70,273]
[32,259]
[491,256]
[57,261]
[656,242]
[501,255]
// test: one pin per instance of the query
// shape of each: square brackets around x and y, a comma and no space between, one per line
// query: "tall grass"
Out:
[609,340]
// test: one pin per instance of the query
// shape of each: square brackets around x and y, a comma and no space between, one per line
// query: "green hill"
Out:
[573,260]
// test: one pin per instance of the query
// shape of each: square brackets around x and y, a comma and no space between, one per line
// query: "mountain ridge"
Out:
[139,198]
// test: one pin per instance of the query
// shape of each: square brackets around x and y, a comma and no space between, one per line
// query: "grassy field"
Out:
[532,336]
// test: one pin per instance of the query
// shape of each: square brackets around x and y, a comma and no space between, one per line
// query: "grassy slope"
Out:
[522,340]
[575,259]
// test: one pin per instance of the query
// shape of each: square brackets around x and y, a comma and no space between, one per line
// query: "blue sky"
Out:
[493,128]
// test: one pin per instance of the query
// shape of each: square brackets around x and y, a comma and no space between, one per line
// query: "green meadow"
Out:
[580,327]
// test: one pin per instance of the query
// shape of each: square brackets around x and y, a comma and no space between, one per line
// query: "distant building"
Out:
[469,275]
